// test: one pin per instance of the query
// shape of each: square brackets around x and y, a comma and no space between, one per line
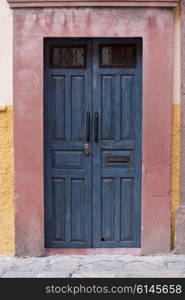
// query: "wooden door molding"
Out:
[92,3]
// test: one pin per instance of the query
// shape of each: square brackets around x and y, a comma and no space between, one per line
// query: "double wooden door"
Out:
[92,143]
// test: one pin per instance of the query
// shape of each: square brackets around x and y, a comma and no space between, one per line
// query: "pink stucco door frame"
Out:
[31,26]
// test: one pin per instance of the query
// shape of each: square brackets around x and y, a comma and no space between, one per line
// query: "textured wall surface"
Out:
[175,165]
[6,148]
[175,174]
[180,219]
[5,54]
[6,182]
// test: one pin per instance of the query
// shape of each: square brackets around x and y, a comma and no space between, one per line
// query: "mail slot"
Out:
[121,159]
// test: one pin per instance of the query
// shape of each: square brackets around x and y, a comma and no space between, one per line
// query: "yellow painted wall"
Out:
[6,182]
[6,145]
[175,177]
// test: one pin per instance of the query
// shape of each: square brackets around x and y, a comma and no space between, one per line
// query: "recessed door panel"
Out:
[127,109]
[78,107]
[78,210]
[126,209]
[58,205]
[58,117]
[107,104]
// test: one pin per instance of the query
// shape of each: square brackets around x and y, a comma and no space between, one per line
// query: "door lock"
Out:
[87,149]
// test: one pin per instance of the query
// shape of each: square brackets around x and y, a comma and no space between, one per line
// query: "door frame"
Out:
[155,27]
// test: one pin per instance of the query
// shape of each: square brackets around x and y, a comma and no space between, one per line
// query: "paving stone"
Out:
[151,274]
[148,259]
[63,264]
[101,266]
[16,274]
[94,275]
[6,264]
[176,265]
[4,268]
[174,257]
[32,264]
[140,265]
[87,259]
[62,257]
[53,275]
[156,259]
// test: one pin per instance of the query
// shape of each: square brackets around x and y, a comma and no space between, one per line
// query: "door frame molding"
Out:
[155,27]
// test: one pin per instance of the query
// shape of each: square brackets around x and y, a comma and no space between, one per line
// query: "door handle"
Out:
[96,127]
[88,130]
[88,127]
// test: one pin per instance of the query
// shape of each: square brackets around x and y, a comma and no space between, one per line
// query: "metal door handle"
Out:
[96,127]
[88,126]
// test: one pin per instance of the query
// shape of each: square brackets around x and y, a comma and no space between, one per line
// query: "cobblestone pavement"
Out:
[100,265]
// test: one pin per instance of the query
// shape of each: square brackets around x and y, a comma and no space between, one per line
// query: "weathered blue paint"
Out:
[92,200]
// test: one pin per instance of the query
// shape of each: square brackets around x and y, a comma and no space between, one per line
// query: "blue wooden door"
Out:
[92,143]
[68,105]
[117,143]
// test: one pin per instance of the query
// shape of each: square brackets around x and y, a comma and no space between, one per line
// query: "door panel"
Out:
[126,209]
[58,117]
[126,105]
[107,208]
[77,210]
[78,107]
[59,204]
[92,142]
[107,104]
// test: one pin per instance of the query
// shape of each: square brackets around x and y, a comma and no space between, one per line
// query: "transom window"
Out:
[67,57]
[118,56]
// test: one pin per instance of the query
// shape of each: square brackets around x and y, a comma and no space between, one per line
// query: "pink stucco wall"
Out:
[155,26]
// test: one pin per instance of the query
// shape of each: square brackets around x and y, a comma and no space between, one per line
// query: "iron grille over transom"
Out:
[118,56]
[67,57]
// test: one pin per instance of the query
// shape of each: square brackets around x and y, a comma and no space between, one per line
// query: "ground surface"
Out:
[100,265]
